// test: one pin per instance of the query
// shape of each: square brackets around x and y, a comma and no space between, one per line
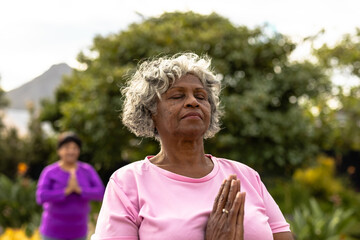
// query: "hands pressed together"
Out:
[73,185]
[226,219]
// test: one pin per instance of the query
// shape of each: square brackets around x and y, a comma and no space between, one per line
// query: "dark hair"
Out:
[67,137]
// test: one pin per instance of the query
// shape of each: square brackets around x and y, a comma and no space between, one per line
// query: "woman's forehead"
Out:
[188,79]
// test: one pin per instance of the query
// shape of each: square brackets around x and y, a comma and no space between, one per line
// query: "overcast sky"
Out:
[35,34]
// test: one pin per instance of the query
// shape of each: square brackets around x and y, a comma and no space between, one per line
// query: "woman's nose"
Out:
[191,101]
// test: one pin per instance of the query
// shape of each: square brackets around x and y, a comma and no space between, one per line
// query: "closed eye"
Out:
[201,97]
[176,96]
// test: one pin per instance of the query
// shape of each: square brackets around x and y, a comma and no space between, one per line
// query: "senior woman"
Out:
[181,192]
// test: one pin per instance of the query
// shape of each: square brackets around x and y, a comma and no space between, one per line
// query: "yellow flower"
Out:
[35,236]
[22,168]
[18,234]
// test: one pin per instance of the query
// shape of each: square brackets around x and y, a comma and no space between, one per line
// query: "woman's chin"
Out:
[191,133]
[70,160]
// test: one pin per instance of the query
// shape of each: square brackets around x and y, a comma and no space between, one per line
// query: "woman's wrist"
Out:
[67,191]
[78,190]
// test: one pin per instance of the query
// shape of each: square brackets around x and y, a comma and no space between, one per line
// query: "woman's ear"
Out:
[153,117]
[58,152]
[154,124]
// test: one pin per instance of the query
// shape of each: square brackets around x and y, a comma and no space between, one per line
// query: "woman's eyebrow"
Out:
[179,87]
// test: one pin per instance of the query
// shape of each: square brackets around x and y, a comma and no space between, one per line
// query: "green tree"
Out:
[264,123]
[345,58]
[38,146]
[344,55]
[3,104]
[10,144]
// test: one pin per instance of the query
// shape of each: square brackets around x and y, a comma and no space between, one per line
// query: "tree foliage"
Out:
[10,143]
[3,104]
[34,149]
[341,125]
[344,56]
[264,126]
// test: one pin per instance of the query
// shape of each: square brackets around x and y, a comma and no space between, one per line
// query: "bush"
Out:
[311,222]
[288,194]
[18,207]
[320,178]
[335,214]
[318,181]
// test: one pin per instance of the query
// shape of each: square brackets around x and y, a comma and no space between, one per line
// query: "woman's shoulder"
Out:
[130,170]
[134,168]
[84,165]
[129,176]
[53,167]
[241,170]
[235,165]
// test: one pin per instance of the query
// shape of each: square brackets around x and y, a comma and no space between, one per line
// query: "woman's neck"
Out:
[67,165]
[184,157]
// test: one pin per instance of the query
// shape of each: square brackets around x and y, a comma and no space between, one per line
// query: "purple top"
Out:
[64,216]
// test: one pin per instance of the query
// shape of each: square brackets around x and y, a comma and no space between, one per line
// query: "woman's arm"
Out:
[96,189]
[283,236]
[44,192]
[276,219]
[118,218]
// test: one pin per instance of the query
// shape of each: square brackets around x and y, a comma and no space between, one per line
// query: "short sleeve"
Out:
[118,218]
[276,220]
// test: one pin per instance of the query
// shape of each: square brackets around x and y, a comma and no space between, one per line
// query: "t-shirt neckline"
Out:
[182,178]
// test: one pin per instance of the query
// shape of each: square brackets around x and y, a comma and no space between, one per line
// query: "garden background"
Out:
[283,117]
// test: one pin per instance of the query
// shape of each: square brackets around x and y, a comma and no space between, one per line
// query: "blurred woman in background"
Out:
[65,189]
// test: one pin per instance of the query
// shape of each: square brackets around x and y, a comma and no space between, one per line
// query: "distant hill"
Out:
[40,87]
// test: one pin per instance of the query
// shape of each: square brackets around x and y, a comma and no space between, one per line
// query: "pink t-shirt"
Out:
[143,201]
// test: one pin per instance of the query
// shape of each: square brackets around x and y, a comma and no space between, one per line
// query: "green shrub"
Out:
[317,181]
[320,178]
[18,207]
[288,194]
[311,222]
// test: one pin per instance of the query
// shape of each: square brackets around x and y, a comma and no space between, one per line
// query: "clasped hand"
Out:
[226,219]
[73,185]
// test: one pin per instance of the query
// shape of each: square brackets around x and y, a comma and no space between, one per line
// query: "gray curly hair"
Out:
[155,77]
